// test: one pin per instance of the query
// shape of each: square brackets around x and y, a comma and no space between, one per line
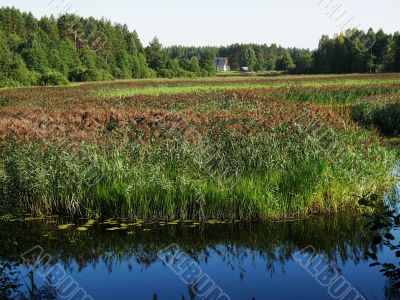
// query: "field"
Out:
[247,148]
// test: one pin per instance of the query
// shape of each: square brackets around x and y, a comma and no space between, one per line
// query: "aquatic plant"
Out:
[240,154]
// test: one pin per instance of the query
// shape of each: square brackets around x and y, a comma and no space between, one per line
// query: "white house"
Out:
[222,64]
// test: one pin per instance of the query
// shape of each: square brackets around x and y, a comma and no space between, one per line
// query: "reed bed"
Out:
[243,154]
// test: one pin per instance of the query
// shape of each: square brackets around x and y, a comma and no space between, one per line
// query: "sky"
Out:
[290,23]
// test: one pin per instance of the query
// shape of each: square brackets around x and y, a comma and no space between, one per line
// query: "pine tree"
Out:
[250,58]
[194,66]
[396,54]
[156,57]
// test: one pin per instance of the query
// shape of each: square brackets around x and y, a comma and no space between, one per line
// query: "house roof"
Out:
[221,61]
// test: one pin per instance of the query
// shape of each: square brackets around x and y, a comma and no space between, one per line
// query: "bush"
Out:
[149,73]
[383,116]
[76,75]
[82,74]
[7,82]
[52,78]
[104,75]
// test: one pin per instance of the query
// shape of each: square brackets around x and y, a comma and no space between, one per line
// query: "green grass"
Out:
[160,88]
[229,177]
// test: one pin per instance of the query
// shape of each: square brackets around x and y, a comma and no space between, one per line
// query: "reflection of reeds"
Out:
[343,236]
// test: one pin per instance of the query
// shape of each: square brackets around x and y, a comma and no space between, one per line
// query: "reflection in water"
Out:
[248,260]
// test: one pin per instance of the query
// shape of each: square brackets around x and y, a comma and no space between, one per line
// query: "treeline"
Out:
[358,52]
[351,52]
[54,51]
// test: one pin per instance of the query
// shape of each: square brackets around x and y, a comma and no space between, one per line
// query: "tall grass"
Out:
[384,116]
[251,148]
[353,89]
[230,175]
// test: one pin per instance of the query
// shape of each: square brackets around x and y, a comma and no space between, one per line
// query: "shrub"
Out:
[82,74]
[52,78]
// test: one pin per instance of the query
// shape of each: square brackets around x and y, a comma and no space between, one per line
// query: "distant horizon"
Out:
[178,23]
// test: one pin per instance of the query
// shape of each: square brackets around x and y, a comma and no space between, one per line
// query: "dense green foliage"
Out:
[351,52]
[384,116]
[51,51]
[357,51]
[85,49]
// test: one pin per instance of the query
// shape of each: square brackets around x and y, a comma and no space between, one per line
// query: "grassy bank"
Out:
[241,154]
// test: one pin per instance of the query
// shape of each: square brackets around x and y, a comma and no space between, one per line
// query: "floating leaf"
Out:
[65,226]
[113,228]
[110,222]
[82,229]
[116,228]
[89,223]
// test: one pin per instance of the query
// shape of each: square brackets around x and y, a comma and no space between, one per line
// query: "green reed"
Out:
[383,115]
[273,174]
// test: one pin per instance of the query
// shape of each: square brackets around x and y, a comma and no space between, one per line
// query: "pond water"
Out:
[327,257]
[187,260]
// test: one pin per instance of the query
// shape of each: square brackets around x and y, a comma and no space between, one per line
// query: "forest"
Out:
[69,48]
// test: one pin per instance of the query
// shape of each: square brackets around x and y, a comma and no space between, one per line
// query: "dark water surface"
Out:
[190,260]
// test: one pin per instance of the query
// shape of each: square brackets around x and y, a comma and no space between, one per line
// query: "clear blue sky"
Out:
[221,22]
